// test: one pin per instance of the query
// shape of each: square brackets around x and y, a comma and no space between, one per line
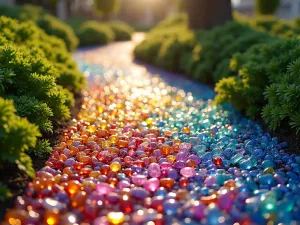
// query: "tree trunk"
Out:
[206,14]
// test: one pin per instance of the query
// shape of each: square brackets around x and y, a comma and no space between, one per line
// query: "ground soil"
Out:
[17,180]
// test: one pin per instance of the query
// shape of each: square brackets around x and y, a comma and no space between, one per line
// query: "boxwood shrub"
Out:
[17,136]
[203,55]
[165,45]
[95,33]
[122,31]
[209,60]
[38,79]
[265,79]
[45,21]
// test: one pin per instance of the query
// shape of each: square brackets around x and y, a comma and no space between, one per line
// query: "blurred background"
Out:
[142,13]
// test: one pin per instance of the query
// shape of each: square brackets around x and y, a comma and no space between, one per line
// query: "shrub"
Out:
[209,61]
[44,46]
[4,192]
[122,31]
[17,136]
[274,26]
[38,73]
[94,33]
[206,58]
[165,45]
[53,26]
[266,7]
[45,21]
[265,70]
[34,110]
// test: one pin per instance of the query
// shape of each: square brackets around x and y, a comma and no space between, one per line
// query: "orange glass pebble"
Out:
[171,158]
[113,150]
[186,130]
[190,163]
[167,182]
[94,174]
[74,150]
[51,217]
[79,199]
[230,183]
[68,171]
[165,150]
[209,199]
[16,216]
[101,133]
[85,171]
[73,187]
[122,143]
[182,195]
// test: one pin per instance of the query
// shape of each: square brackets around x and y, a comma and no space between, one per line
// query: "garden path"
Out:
[149,147]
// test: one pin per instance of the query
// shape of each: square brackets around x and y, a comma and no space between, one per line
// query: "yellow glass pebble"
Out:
[115,166]
[113,139]
[115,217]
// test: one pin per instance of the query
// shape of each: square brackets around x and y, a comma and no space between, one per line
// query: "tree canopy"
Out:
[106,8]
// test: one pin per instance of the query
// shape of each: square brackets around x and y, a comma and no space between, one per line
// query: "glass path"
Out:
[150,148]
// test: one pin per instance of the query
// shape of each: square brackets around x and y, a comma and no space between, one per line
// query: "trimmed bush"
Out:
[274,26]
[122,31]
[203,55]
[4,192]
[94,33]
[55,27]
[45,46]
[17,136]
[266,78]
[165,45]
[266,7]
[38,73]
[209,61]
[45,21]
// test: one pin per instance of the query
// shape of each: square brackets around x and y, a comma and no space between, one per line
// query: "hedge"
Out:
[91,32]
[95,33]
[265,79]
[122,31]
[17,136]
[203,55]
[45,21]
[38,79]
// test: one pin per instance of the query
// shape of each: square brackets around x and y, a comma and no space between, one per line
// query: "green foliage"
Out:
[266,7]
[204,55]
[165,45]
[41,150]
[209,61]
[55,27]
[38,74]
[94,33]
[45,21]
[70,78]
[181,5]
[43,47]
[274,26]
[266,77]
[122,31]
[106,7]
[76,22]
[35,111]
[4,192]
[17,136]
